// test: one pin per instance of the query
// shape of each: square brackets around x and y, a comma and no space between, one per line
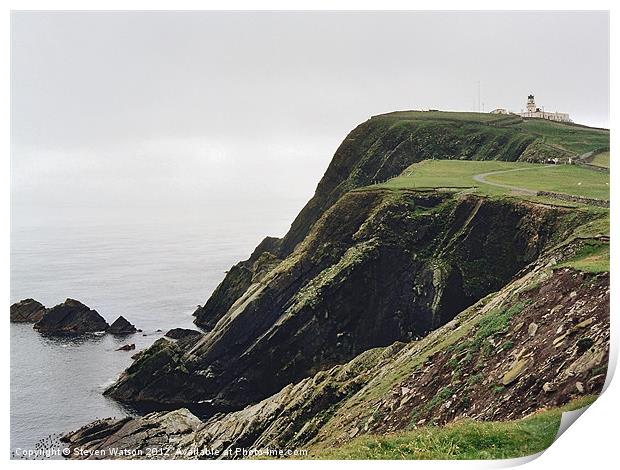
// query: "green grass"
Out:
[596,228]
[495,322]
[601,159]
[449,174]
[441,116]
[593,257]
[567,179]
[458,174]
[570,137]
[466,439]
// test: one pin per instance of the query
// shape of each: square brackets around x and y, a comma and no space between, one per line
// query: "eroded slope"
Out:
[381,266]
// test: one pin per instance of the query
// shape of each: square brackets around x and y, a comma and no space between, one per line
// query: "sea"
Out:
[154,270]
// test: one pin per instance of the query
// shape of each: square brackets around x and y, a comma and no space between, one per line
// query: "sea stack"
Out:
[71,317]
[27,311]
[121,326]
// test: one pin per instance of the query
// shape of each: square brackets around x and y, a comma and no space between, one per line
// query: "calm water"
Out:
[152,272]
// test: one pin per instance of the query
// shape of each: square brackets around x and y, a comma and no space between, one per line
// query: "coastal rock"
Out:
[135,438]
[27,311]
[184,337]
[180,333]
[127,347]
[71,317]
[121,327]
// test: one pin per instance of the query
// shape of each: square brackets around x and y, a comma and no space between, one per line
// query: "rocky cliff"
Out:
[380,266]
[539,342]
[384,309]
[374,151]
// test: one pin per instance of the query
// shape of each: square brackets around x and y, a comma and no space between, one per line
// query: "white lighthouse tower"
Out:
[535,112]
[531,104]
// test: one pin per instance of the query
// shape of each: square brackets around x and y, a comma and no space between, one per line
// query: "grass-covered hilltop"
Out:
[444,294]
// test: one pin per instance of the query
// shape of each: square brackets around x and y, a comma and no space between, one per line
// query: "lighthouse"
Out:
[531,104]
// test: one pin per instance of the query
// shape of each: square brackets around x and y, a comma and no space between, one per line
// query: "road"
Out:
[480,178]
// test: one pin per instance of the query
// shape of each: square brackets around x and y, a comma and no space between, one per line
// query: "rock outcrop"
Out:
[71,317]
[374,151]
[180,333]
[27,311]
[380,267]
[184,338]
[121,326]
[153,436]
[455,372]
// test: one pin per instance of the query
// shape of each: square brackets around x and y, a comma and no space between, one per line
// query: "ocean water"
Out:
[154,271]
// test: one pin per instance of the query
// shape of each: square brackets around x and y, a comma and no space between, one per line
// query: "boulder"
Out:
[127,347]
[179,333]
[27,311]
[135,438]
[71,317]
[121,327]
[184,337]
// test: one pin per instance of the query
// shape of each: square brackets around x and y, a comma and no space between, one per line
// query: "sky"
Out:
[170,112]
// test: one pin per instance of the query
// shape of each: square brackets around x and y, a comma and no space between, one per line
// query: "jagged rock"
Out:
[532,329]
[27,311]
[559,340]
[179,333]
[579,387]
[516,369]
[586,323]
[405,400]
[184,337]
[121,327]
[71,317]
[132,438]
[127,347]
[548,387]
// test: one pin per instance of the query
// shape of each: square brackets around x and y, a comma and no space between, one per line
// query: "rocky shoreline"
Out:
[71,317]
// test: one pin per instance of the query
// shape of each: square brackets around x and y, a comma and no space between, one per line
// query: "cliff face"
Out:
[379,267]
[539,342]
[384,310]
[376,150]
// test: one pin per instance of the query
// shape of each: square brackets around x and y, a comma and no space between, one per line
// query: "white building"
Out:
[535,112]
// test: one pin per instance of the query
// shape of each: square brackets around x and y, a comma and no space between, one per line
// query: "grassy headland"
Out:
[458,174]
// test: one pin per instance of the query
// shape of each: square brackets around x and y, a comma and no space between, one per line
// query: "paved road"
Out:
[564,197]
[481,178]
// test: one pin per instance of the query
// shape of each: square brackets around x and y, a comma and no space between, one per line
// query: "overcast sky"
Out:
[190,111]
